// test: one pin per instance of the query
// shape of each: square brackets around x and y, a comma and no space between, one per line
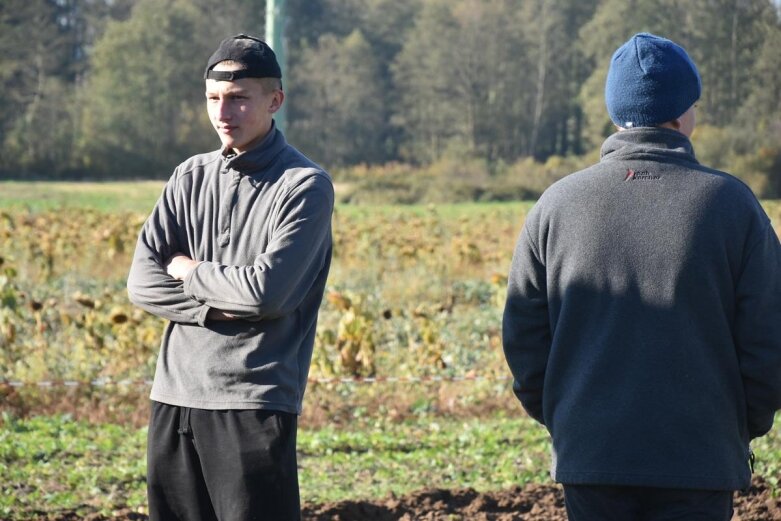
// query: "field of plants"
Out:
[409,387]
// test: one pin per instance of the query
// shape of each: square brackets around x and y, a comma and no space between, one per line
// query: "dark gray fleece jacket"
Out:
[260,222]
[643,319]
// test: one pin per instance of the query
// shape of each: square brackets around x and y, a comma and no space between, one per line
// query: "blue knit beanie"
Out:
[651,80]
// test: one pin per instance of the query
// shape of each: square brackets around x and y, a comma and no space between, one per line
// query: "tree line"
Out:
[105,89]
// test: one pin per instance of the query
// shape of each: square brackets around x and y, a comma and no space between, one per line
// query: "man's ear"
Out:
[276,101]
[673,124]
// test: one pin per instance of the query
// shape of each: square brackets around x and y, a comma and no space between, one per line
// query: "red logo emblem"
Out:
[630,174]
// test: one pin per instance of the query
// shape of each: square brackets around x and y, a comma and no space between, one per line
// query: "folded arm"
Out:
[282,276]
[149,285]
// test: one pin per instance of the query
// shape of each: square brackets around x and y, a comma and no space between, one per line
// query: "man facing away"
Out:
[643,316]
[235,255]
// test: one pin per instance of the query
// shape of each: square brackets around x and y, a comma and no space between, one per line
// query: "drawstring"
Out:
[184,420]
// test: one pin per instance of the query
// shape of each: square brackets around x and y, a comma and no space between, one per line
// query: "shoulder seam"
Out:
[182,172]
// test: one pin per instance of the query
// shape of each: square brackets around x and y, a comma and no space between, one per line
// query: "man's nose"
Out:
[223,110]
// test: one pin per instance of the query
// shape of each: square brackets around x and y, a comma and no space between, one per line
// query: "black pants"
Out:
[232,465]
[604,503]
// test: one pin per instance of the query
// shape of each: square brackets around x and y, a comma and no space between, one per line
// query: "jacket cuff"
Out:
[204,311]
[189,281]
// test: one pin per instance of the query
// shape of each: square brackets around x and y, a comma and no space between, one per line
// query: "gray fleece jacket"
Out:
[260,222]
[643,319]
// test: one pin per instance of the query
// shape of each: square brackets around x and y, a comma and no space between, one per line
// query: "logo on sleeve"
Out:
[640,175]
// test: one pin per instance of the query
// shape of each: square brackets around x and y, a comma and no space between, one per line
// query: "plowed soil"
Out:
[530,503]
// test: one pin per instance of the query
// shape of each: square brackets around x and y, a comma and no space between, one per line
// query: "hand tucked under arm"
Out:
[220,315]
[179,266]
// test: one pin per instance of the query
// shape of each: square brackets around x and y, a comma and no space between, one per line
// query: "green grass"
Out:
[57,464]
[445,210]
[370,462]
[52,463]
[140,196]
[137,196]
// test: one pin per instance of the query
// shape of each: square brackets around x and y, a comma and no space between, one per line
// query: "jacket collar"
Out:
[258,157]
[647,143]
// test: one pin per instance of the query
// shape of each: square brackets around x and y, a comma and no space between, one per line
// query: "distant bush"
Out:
[383,184]
[759,167]
[453,179]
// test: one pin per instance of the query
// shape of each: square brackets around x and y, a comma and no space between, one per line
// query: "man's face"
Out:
[240,111]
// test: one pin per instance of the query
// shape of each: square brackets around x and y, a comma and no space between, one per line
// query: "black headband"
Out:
[228,75]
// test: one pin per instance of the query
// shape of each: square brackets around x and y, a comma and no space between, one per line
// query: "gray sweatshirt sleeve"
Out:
[282,276]
[758,331]
[526,333]
[149,286]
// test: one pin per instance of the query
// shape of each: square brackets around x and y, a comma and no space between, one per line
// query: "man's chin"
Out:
[229,143]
